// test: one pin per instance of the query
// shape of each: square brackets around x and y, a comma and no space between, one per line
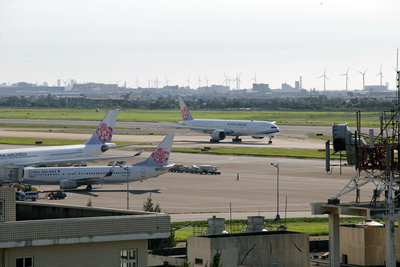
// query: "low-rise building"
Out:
[42,234]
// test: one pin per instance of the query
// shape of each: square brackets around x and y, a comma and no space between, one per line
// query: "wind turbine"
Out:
[199,81]
[325,78]
[347,78]
[188,81]
[237,81]
[166,81]
[156,82]
[65,82]
[363,74]
[227,81]
[206,80]
[149,82]
[255,78]
[381,74]
[117,82]
[137,83]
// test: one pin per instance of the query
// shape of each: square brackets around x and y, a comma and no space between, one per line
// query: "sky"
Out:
[274,42]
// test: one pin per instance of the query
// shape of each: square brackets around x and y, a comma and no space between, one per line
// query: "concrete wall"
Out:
[255,249]
[365,246]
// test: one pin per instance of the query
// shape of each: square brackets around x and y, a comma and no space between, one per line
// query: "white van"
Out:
[31,195]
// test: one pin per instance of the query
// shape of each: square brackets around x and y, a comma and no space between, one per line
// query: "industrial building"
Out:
[41,234]
[254,247]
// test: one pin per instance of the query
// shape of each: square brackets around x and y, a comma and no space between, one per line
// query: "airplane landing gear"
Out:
[237,139]
[270,140]
[214,141]
[88,187]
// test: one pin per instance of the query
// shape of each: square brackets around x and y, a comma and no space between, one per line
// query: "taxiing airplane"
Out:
[66,155]
[73,177]
[219,129]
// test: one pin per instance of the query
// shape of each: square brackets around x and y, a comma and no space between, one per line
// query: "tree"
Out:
[216,262]
[148,205]
[160,243]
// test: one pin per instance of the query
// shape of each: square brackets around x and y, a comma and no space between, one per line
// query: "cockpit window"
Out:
[274,127]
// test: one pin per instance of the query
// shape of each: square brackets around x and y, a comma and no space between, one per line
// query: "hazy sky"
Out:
[107,41]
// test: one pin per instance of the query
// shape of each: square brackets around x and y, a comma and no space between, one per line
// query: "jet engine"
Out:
[106,146]
[68,184]
[218,135]
[258,137]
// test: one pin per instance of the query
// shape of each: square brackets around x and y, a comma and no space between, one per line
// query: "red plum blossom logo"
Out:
[185,113]
[104,132]
[160,155]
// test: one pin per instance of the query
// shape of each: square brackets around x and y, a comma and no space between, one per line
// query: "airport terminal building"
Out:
[41,234]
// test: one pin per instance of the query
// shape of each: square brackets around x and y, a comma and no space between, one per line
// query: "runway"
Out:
[198,197]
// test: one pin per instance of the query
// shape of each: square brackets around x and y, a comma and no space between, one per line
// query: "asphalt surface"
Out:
[190,197]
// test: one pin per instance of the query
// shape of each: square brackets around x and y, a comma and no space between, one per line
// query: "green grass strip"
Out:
[261,152]
[313,226]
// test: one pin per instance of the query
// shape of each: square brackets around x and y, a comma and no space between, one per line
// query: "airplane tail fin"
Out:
[104,131]
[160,155]
[186,116]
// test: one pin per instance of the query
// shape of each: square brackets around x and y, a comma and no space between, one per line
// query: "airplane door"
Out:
[143,173]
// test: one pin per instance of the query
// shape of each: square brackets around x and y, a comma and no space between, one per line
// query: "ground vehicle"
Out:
[209,169]
[180,168]
[31,195]
[194,169]
[57,195]
[19,195]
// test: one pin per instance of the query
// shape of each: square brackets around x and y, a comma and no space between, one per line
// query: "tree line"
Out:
[321,103]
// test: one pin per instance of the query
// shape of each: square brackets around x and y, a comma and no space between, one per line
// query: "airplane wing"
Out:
[69,161]
[199,129]
[164,168]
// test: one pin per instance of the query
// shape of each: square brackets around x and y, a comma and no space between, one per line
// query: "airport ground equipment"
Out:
[25,187]
[202,169]
[33,195]
[209,169]
[57,195]
[375,155]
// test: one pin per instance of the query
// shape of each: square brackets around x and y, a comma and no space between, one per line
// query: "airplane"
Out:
[73,177]
[67,154]
[219,129]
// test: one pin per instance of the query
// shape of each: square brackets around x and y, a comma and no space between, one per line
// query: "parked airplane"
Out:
[73,177]
[68,154]
[219,129]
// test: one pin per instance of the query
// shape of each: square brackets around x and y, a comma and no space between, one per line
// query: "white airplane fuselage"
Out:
[16,156]
[53,175]
[239,127]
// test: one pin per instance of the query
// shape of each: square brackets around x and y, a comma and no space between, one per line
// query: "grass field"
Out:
[369,119]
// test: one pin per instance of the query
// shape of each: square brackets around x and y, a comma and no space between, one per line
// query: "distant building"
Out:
[262,88]
[131,96]
[286,87]
[219,89]
[375,88]
[82,87]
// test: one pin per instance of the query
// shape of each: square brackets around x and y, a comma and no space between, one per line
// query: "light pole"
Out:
[277,191]
[127,187]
